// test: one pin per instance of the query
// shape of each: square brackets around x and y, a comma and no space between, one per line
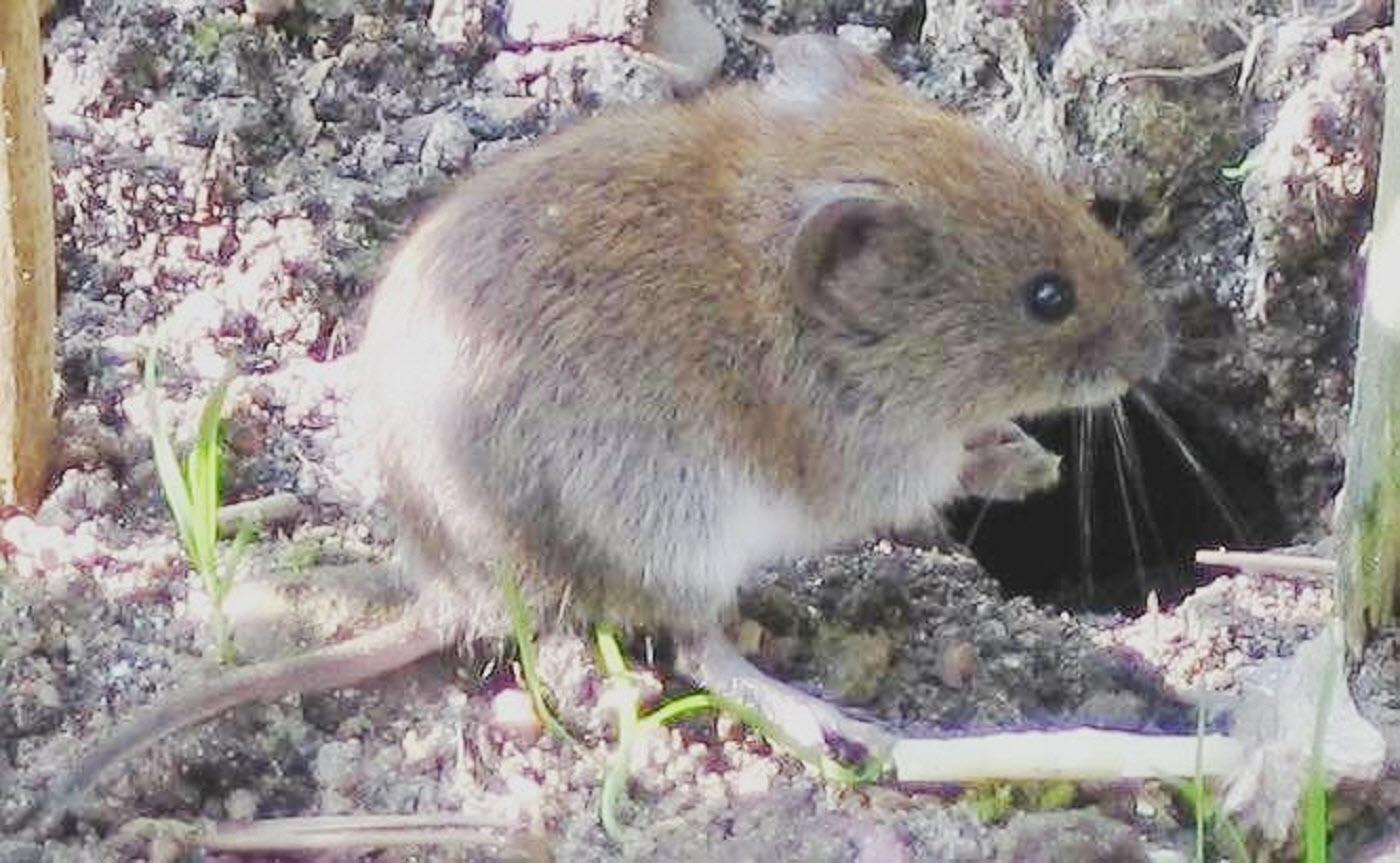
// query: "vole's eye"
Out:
[1049,297]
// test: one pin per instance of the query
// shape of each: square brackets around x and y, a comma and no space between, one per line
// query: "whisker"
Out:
[1123,438]
[1120,473]
[987,504]
[1083,476]
[1174,434]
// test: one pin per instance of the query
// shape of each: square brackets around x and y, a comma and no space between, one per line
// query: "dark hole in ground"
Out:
[1035,547]
[1120,217]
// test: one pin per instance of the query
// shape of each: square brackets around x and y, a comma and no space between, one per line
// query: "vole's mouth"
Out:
[1116,357]
[1092,387]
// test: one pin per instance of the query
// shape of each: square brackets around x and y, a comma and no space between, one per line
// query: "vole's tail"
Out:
[389,647]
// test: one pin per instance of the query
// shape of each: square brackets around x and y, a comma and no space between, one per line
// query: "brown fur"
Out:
[670,344]
[620,289]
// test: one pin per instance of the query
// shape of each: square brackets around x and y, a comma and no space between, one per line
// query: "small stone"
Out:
[335,762]
[754,778]
[552,22]
[678,34]
[871,40]
[857,665]
[956,664]
[241,804]
[1049,837]
[513,712]
[457,22]
[448,144]
[266,10]
[877,843]
[418,747]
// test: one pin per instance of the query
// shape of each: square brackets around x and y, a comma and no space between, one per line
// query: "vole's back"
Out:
[566,360]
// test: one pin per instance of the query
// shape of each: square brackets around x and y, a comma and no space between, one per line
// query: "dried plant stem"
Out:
[329,833]
[1078,754]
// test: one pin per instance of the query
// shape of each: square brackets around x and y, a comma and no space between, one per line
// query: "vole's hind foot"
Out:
[1005,463]
[809,723]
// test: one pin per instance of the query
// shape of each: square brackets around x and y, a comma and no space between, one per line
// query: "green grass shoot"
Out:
[1314,802]
[1210,820]
[1315,818]
[1199,794]
[632,725]
[524,628]
[192,491]
[994,801]
[1237,172]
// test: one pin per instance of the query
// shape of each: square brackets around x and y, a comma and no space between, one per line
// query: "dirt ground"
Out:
[229,175]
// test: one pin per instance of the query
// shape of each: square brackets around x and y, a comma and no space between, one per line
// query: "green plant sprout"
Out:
[1199,795]
[192,491]
[1210,820]
[1314,803]
[632,725]
[524,628]
[209,33]
[1237,172]
[300,554]
[1315,818]
[993,802]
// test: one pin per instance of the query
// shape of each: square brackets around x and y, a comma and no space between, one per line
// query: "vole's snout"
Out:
[1133,347]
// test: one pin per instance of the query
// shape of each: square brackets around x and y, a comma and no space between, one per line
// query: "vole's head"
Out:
[973,293]
[934,273]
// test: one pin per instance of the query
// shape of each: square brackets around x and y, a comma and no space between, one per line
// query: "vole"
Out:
[669,345]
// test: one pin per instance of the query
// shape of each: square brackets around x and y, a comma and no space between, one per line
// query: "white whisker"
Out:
[1121,476]
[1218,498]
[1084,480]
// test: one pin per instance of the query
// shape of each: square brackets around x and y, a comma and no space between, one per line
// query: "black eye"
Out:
[1049,297]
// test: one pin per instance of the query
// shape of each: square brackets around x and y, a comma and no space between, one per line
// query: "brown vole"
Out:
[672,344]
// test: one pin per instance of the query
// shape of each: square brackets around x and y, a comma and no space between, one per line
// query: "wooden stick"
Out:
[1267,561]
[337,832]
[1205,70]
[27,287]
[275,508]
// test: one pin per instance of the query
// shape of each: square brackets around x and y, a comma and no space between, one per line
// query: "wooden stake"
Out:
[27,286]
[1368,585]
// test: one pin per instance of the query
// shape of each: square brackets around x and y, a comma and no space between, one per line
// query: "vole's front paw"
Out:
[1005,463]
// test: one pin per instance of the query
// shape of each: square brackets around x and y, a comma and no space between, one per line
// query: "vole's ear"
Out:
[854,256]
[811,69]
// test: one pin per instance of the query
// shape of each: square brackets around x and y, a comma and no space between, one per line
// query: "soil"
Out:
[228,178]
